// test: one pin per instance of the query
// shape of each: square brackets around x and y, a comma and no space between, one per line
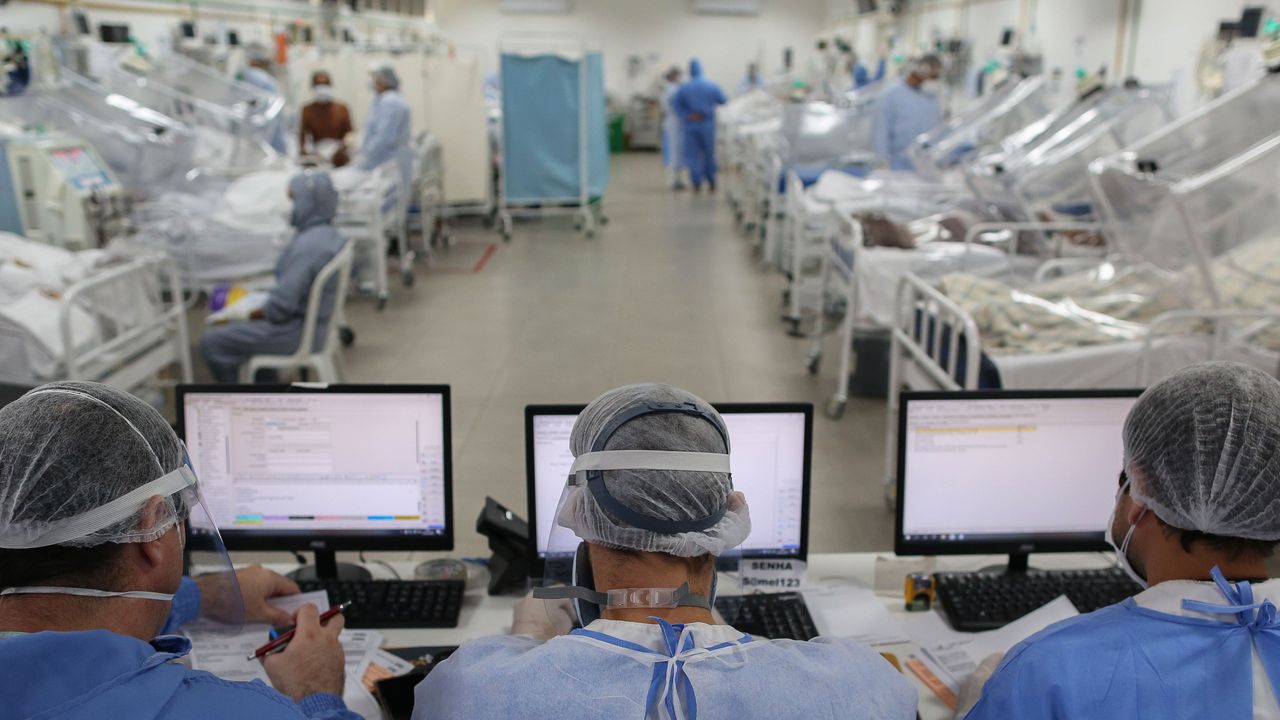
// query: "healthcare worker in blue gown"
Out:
[696,103]
[654,651]
[95,491]
[905,110]
[672,154]
[1197,513]
[276,328]
[258,74]
[387,128]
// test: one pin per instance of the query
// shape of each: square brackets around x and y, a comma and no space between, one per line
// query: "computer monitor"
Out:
[1008,471]
[233,38]
[323,468]
[188,29]
[770,454]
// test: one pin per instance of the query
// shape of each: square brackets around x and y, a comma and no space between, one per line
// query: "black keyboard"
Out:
[774,616]
[394,603]
[985,601]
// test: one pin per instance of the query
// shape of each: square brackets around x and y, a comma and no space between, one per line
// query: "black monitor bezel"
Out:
[530,411]
[986,547]
[339,541]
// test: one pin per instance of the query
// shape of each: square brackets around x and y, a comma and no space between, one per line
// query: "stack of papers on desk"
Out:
[852,612]
[955,655]
[366,662]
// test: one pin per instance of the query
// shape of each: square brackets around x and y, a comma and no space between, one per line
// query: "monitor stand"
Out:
[327,567]
[1018,565]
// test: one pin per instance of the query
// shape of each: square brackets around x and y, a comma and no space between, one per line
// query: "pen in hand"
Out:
[282,639]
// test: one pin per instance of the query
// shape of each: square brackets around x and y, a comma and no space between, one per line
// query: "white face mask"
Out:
[931,87]
[322,93]
[1122,551]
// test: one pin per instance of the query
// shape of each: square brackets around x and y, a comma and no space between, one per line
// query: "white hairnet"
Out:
[69,448]
[1202,449]
[676,495]
[387,75]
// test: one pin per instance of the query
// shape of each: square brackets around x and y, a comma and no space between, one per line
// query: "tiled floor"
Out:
[668,291]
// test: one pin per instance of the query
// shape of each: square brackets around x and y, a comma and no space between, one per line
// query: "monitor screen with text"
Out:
[1010,469]
[767,456]
[320,462]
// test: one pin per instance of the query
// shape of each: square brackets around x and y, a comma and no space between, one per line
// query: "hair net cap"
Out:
[676,495]
[386,74]
[1202,448]
[71,447]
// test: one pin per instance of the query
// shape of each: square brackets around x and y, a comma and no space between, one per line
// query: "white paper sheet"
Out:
[849,611]
[227,657]
[958,654]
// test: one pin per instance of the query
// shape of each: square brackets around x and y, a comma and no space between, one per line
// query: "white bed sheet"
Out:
[1115,365]
[878,272]
[33,277]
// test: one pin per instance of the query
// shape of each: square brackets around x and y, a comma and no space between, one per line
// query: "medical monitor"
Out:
[1008,471]
[324,468]
[770,448]
[113,33]
[81,22]
[1251,21]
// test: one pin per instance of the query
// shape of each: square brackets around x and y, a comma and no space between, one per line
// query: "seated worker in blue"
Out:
[655,650]
[95,494]
[695,103]
[905,110]
[276,328]
[1198,511]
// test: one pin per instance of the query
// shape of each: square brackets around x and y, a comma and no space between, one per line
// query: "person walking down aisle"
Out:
[696,103]
[906,109]
[672,153]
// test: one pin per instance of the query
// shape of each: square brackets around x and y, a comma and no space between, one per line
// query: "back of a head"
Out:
[315,199]
[70,447]
[387,75]
[927,64]
[695,69]
[1202,449]
[675,495]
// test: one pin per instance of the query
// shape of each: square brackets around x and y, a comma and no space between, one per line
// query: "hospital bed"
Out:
[232,120]
[88,316]
[1046,177]
[1195,272]
[941,153]
[147,150]
[1035,204]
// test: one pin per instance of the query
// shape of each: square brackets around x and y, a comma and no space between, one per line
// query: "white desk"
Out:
[484,615]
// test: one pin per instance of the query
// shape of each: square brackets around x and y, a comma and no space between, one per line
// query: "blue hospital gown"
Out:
[100,675]
[901,115]
[624,670]
[1146,657]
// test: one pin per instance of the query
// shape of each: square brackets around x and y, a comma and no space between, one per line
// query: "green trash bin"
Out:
[617,134]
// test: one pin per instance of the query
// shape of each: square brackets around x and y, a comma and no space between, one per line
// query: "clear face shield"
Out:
[589,513]
[169,509]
